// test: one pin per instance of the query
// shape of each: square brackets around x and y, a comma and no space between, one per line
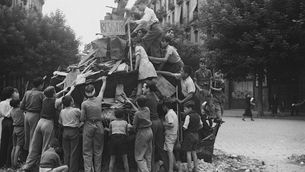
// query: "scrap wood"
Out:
[59,73]
[81,63]
[115,66]
[90,65]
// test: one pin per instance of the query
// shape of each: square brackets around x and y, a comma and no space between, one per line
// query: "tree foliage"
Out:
[253,36]
[34,45]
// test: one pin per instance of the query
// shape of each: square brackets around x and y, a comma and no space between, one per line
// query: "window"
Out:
[173,17]
[196,35]
[187,11]
[181,15]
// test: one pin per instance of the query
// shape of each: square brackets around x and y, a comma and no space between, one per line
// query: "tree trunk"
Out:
[260,107]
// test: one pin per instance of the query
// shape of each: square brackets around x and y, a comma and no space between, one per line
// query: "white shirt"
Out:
[5,108]
[187,86]
[172,54]
[172,118]
[149,17]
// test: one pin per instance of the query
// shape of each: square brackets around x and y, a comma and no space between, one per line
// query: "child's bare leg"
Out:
[111,163]
[12,156]
[170,161]
[189,161]
[17,152]
[63,168]
[125,161]
[195,159]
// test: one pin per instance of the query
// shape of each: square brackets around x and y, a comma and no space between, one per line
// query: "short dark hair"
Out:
[151,85]
[138,2]
[14,103]
[49,92]
[141,101]
[89,88]
[166,39]
[37,82]
[168,103]
[7,92]
[54,143]
[189,104]
[67,100]
[119,113]
[188,69]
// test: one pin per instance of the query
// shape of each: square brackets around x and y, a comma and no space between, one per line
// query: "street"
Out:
[269,140]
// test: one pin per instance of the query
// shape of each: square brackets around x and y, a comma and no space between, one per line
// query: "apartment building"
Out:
[180,12]
[29,5]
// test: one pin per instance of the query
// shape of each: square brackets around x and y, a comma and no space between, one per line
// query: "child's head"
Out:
[54,143]
[186,71]
[167,104]
[119,114]
[89,91]
[141,4]
[38,83]
[149,86]
[202,63]
[165,41]
[189,106]
[67,101]
[10,92]
[49,92]
[15,103]
[141,101]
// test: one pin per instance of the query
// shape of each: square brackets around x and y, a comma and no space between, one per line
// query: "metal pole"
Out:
[130,53]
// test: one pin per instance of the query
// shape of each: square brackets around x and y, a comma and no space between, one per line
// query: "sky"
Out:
[82,16]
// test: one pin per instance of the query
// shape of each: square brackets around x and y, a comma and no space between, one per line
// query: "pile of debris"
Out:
[297,159]
[223,162]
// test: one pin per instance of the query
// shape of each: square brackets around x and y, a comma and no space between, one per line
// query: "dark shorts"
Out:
[18,136]
[190,141]
[118,144]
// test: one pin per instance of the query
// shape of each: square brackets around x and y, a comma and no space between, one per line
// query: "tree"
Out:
[34,45]
[254,37]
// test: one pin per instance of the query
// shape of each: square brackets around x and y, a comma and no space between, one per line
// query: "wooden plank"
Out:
[115,66]
[165,87]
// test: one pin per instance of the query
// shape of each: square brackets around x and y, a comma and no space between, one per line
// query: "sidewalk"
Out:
[267,115]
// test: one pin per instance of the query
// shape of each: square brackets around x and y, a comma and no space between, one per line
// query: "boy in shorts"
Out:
[171,132]
[18,133]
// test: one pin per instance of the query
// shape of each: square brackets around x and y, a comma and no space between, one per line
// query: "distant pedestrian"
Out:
[274,104]
[249,104]
[18,133]
[118,140]
[69,118]
[50,161]
[192,124]
[8,93]
[144,136]
[31,105]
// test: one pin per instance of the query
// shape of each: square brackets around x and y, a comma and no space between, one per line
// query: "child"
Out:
[18,133]
[172,61]
[118,137]
[249,104]
[202,80]
[191,126]
[69,118]
[50,161]
[93,132]
[146,68]
[171,132]
[144,136]
[217,90]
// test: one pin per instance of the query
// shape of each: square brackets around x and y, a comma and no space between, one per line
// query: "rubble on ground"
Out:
[298,159]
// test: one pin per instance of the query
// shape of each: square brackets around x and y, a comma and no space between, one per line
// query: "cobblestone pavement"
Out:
[269,140]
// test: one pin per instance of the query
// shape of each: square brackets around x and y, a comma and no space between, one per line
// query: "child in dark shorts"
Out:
[118,140]
[18,133]
[191,126]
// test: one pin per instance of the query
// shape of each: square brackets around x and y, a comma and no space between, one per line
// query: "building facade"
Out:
[29,5]
[180,12]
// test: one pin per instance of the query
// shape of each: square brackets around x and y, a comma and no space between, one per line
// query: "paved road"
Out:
[270,140]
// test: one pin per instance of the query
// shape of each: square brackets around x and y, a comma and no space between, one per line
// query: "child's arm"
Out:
[176,75]
[186,122]
[101,93]
[137,61]
[83,112]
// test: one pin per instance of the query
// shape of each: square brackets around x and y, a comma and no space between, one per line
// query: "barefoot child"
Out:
[191,126]
[118,137]
[18,133]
